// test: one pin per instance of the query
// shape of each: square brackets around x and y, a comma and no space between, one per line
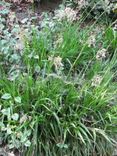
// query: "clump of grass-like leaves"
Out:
[64,100]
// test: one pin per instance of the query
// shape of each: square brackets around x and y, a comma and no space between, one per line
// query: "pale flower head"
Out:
[70,14]
[60,15]
[97,79]
[82,3]
[67,13]
[11,18]
[59,41]
[23,119]
[91,41]
[57,62]
[101,54]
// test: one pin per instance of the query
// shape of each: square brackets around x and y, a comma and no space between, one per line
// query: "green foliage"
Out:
[94,8]
[63,101]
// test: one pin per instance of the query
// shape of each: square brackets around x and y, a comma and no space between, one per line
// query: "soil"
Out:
[26,10]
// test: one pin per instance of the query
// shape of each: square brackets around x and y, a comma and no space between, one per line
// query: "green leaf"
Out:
[27,143]
[6,111]
[60,145]
[9,131]
[6,96]
[4,11]
[15,116]
[18,99]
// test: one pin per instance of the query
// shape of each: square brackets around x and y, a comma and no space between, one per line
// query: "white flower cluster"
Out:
[91,41]
[97,79]
[59,41]
[101,54]
[67,13]
[57,62]
[82,3]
